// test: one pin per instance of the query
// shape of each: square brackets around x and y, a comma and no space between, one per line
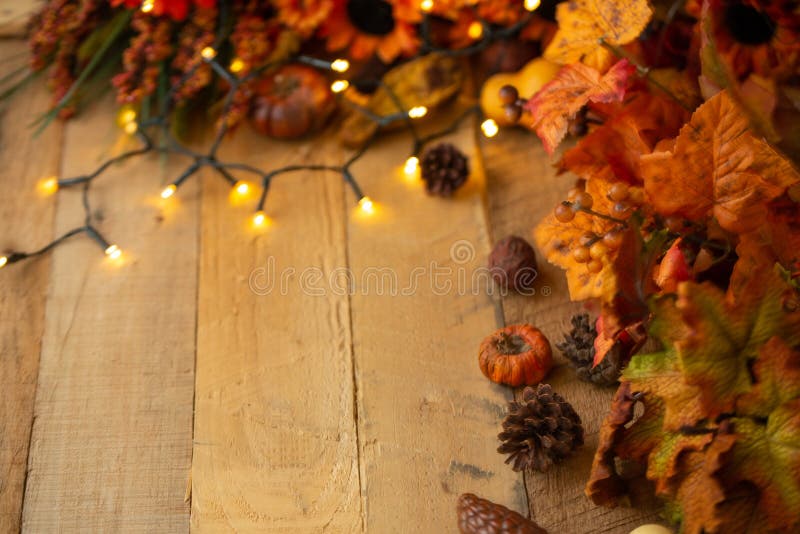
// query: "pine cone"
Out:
[444,169]
[578,347]
[541,430]
[479,516]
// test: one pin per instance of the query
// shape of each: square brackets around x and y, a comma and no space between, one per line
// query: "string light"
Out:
[242,188]
[367,205]
[3,261]
[532,5]
[489,128]
[339,85]
[259,219]
[126,116]
[417,112]
[208,53]
[147,6]
[169,191]
[49,185]
[113,252]
[411,166]
[237,65]
[426,6]
[475,30]
[131,128]
[340,65]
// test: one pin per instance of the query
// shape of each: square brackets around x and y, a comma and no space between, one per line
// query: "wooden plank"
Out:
[27,224]
[14,16]
[111,441]
[428,418]
[275,437]
[523,188]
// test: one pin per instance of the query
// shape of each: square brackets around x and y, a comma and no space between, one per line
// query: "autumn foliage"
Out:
[684,225]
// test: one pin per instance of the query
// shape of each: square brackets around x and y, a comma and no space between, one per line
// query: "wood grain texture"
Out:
[275,437]
[523,188]
[428,418]
[111,442]
[15,15]
[27,223]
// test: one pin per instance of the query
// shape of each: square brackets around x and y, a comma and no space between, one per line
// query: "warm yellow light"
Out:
[148,5]
[242,188]
[411,166]
[532,5]
[208,53]
[126,116]
[367,205]
[3,261]
[417,112]
[340,65]
[169,191]
[48,185]
[339,85]
[113,252]
[237,65]
[260,219]
[489,128]
[475,30]
[131,128]
[426,5]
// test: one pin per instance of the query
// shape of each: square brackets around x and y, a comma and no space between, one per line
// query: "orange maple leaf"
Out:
[582,23]
[574,86]
[717,167]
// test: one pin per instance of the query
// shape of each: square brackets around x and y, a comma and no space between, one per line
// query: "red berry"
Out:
[564,213]
[587,238]
[621,210]
[594,266]
[613,239]
[584,200]
[619,191]
[508,94]
[581,254]
[598,250]
[513,112]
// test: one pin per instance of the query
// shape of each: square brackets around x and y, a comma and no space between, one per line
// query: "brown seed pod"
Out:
[516,355]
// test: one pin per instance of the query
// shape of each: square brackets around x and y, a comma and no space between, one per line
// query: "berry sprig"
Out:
[512,103]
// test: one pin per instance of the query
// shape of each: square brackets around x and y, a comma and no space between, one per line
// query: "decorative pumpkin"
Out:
[291,102]
[516,355]
[527,80]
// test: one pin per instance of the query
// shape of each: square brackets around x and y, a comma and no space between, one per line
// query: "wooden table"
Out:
[176,390]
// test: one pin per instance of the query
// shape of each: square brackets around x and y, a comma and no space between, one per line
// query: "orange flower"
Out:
[758,37]
[303,16]
[370,26]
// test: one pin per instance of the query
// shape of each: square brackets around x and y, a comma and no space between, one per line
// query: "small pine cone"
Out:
[578,347]
[444,169]
[541,430]
[479,516]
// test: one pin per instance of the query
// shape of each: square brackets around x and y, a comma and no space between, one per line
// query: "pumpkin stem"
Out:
[511,344]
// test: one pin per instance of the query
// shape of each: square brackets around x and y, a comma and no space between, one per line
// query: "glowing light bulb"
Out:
[148,5]
[3,261]
[426,5]
[475,30]
[532,5]
[412,164]
[131,128]
[260,219]
[237,65]
[242,188]
[340,65]
[417,112]
[113,252]
[169,191]
[49,185]
[367,205]
[489,128]
[208,53]
[339,85]
[126,116]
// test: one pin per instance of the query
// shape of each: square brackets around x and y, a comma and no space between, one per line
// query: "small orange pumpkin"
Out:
[516,355]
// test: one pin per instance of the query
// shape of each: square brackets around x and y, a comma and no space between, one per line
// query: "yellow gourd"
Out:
[528,80]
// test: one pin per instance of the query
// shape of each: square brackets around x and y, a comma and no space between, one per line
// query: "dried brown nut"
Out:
[513,264]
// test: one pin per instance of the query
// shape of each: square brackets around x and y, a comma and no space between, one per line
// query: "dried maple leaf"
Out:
[720,432]
[582,23]
[717,167]
[574,86]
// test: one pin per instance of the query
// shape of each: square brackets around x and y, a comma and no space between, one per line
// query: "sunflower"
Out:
[753,36]
[370,26]
[303,16]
